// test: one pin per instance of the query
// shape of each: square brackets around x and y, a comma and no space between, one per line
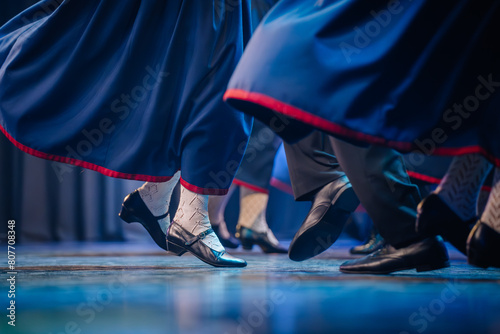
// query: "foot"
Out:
[483,246]
[135,210]
[226,239]
[425,255]
[434,217]
[179,241]
[373,244]
[265,240]
[331,207]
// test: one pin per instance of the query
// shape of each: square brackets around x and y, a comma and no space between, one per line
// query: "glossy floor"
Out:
[127,288]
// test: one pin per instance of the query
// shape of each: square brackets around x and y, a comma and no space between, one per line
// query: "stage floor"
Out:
[135,288]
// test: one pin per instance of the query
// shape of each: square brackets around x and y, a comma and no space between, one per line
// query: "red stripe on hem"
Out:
[435,180]
[251,186]
[108,172]
[425,178]
[84,164]
[203,191]
[325,125]
[280,185]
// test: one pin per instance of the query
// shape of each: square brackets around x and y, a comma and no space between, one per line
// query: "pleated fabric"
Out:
[132,89]
[420,76]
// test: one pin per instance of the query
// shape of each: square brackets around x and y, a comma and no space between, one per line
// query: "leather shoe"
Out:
[230,242]
[135,210]
[434,217]
[331,207]
[267,243]
[180,239]
[483,246]
[425,255]
[373,244]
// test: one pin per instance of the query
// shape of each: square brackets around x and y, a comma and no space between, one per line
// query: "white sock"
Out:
[192,215]
[157,196]
[460,187]
[491,215]
[253,210]
[253,207]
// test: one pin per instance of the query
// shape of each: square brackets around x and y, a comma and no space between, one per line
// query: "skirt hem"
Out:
[106,171]
[322,124]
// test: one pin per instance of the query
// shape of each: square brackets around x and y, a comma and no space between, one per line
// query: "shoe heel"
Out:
[247,244]
[432,266]
[346,199]
[175,249]
[126,216]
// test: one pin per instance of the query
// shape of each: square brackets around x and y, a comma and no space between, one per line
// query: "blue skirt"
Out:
[420,76]
[132,89]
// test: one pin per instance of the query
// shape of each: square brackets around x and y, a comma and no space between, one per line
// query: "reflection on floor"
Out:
[124,288]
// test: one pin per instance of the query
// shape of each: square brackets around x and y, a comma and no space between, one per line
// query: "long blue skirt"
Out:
[132,89]
[419,76]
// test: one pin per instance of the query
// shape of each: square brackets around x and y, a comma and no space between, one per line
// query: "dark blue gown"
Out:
[132,89]
[418,76]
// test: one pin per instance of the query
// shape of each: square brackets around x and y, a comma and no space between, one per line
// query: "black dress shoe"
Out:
[331,207]
[180,239]
[230,242]
[434,217]
[425,255]
[483,246]
[249,237]
[373,244]
[135,210]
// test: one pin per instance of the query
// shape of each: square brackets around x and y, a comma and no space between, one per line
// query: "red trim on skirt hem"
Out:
[203,191]
[250,186]
[333,128]
[435,180]
[83,164]
[280,185]
[108,172]
[425,178]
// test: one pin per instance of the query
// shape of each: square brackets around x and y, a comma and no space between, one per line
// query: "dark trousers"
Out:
[257,165]
[377,174]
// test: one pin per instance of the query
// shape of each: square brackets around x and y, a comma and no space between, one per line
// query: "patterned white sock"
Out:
[157,196]
[253,210]
[192,215]
[460,187]
[491,215]
[253,207]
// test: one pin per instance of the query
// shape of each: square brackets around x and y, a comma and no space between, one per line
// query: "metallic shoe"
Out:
[180,239]
[265,240]
[135,210]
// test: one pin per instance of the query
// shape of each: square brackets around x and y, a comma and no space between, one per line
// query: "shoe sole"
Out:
[421,268]
[171,245]
[320,236]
